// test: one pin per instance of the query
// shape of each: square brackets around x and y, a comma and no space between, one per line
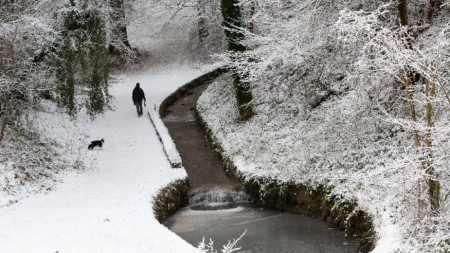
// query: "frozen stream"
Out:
[219,208]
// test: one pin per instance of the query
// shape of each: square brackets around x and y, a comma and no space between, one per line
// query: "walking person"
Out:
[138,96]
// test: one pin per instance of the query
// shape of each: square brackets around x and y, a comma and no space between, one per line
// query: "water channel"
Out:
[221,210]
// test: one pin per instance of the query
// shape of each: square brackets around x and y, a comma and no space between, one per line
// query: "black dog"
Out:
[95,144]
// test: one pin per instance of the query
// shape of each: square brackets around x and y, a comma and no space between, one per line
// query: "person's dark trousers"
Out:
[139,107]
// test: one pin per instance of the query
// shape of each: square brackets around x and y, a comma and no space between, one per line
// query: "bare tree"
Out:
[210,32]
[389,51]
[24,32]
[408,79]
[119,36]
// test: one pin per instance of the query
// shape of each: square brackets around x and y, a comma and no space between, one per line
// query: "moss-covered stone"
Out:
[170,199]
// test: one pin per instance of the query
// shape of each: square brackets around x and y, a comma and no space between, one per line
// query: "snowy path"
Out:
[107,208]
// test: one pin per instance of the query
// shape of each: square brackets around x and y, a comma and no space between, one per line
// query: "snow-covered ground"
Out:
[108,207]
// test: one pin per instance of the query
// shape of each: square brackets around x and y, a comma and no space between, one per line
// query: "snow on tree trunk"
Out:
[119,41]
[391,51]
[232,23]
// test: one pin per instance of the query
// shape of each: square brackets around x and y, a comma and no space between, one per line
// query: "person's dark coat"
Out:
[138,94]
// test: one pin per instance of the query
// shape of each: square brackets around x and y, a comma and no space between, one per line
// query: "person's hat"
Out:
[137,84]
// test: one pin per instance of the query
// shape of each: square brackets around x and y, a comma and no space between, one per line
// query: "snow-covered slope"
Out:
[317,151]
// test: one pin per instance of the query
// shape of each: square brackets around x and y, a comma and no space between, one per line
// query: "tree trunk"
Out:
[434,5]
[403,12]
[232,17]
[251,25]
[434,185]
[119,28]
[7,98]
[5,117]
[409,81]
[410,99]
[201,23]
[2,131]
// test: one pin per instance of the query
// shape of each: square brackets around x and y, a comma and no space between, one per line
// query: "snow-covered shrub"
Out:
[228,248]
[23,79]
[82,62]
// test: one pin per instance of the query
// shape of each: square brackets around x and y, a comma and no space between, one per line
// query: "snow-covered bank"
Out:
[319,150]
[107,208]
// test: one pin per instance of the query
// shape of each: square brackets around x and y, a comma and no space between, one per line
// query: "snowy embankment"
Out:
[321,150]
[107,207]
